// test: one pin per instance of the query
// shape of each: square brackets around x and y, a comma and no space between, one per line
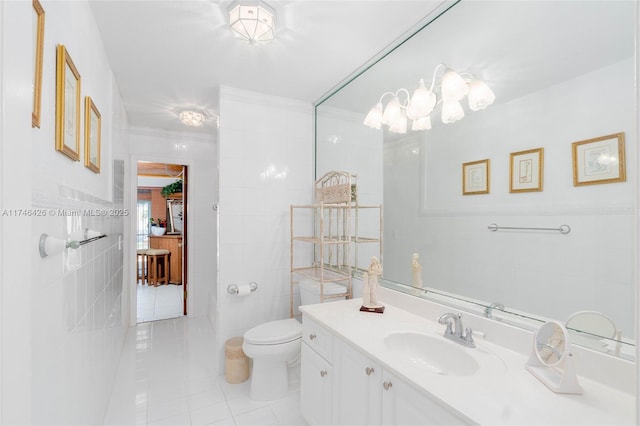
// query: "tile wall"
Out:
[266,164]
[77,303]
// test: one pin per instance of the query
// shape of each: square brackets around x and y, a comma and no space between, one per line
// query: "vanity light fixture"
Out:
[252,21]
[191,118]
[452,88]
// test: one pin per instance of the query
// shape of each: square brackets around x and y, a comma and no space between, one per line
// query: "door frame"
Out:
[130,251]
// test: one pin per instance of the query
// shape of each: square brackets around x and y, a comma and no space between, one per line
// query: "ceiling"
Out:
[173,55]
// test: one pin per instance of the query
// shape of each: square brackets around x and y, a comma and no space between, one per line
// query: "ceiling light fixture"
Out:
[452,88]
[191,118]
[252,21]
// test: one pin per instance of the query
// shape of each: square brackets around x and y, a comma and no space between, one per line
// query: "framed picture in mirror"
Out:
[599,160]
[67,105]
[475,177]
[38,39]
[525,170]
[92,131]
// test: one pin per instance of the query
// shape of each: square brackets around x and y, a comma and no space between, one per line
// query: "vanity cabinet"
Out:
[345,386]
[357,387]
[403,404]
[316,384]
[316,373]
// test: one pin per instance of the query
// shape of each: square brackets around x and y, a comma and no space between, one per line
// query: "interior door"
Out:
[185,241]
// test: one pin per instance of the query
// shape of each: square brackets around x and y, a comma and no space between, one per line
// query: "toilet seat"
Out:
[274,332]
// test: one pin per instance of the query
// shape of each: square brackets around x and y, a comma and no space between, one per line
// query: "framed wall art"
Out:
[599,160]
[475,177]
[92,135]
[526,170]
[67,105]
[38,51]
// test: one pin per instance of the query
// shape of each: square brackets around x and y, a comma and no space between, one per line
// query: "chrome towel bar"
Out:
[49,245]
[563,229]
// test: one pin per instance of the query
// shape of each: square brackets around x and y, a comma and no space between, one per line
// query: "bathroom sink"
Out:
[432,353]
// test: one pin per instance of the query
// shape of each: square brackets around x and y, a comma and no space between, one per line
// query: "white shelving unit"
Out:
[334,236]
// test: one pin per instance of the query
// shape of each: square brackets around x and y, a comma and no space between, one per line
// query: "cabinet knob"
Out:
[369,371]
[323,373]
[387,385]
[312,336]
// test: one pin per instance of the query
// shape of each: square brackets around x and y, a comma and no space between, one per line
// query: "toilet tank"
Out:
[310,291]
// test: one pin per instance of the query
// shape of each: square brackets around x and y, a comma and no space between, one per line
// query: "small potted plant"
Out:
[158,227]
[172,188]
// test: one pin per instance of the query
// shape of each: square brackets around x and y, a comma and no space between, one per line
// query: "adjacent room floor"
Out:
[167,376]
[157,303]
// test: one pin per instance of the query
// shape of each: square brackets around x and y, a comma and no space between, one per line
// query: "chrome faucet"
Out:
[488,311]
[454,329]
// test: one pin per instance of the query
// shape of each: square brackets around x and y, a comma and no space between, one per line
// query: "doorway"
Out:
[161,246]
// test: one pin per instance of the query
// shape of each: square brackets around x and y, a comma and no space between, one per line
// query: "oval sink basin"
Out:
[434,354]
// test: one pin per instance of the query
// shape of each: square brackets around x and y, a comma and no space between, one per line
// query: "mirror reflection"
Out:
[563,78]
[550,343]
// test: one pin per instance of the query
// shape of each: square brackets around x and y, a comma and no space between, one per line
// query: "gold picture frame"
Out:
[526,170]
[92,135]
[67,105]
[599,160]
[38,51]
[475,177]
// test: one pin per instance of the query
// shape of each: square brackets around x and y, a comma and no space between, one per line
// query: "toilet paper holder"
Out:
[233,288]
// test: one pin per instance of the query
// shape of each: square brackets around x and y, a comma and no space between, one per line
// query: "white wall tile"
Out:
[274,158]
[57,385]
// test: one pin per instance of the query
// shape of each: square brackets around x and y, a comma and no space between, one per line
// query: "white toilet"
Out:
[273,345]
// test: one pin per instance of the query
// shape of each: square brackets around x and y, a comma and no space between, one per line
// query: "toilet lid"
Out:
[274,332]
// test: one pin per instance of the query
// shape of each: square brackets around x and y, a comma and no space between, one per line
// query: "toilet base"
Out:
[269,380]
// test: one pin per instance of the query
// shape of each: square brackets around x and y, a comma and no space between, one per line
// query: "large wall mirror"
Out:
[562,72]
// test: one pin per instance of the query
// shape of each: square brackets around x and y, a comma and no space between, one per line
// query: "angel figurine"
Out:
[416,267]
[371,287]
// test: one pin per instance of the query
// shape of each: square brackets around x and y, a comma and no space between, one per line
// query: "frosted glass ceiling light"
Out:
[392,112]
[191,118]
[374,118]
[451,88]
[252,21]
[423,123]
[399,124]
[480,95]
[422,102]
[451,111]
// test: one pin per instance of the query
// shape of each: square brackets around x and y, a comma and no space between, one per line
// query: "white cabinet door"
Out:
[315,387]
[357,389]
[404,405]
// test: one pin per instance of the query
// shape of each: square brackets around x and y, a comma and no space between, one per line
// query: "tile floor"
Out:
[167,376]
[157,303]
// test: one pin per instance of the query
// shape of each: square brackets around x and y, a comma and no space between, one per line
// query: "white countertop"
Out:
[507,395]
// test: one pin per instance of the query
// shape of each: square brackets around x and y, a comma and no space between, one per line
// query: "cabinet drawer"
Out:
[317,337]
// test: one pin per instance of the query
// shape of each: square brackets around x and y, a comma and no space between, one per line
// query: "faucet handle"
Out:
[468,337]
